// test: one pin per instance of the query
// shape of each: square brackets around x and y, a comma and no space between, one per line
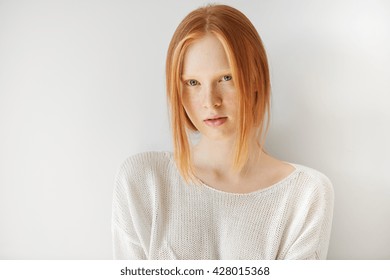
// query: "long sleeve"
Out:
[312,224]
[124,247]
[125,239]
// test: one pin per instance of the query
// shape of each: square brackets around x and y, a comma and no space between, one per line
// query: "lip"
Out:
[214,117]
[216,121]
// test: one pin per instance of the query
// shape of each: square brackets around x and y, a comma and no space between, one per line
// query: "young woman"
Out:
[223,197]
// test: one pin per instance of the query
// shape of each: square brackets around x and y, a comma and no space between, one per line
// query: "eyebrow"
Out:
[219,73]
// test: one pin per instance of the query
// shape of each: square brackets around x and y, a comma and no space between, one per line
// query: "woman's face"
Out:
[208,89]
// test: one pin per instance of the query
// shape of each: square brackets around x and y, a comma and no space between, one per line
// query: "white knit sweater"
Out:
[156,215]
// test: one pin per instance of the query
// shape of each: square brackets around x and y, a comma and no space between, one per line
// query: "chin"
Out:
[219,136]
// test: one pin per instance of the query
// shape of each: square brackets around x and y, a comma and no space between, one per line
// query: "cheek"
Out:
[231,101]
[191,103]
[193,117]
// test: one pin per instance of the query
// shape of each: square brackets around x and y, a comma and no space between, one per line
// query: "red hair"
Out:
[248,61]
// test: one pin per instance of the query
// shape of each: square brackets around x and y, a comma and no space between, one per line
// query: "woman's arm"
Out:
[311,226]
[126,239]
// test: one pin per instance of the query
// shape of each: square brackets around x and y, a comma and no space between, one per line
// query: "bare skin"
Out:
[262,170]
[208,90]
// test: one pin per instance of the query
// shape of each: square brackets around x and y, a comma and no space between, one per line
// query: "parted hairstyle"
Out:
[248,62]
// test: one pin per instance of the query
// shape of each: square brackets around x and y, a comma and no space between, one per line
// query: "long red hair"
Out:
[249,65]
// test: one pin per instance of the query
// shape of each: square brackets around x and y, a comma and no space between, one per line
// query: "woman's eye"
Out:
[227,78]
[192,83]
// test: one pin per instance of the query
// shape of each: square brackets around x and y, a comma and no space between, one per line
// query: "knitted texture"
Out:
[156,215]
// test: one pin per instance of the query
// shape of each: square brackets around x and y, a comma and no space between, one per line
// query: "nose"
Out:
[211,98]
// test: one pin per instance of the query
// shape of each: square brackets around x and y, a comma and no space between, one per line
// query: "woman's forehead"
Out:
[205,55]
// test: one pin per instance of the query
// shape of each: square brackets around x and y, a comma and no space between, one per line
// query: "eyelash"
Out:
[188,83]
[197,83]
[230,77]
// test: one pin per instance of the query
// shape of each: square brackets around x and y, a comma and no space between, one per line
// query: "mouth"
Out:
[215,118]
[215,121]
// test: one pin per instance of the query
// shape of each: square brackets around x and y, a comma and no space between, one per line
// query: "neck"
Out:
[216,156]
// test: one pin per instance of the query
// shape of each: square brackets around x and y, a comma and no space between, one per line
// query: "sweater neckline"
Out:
[262,190]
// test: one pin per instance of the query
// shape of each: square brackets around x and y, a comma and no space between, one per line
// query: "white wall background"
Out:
[82,87]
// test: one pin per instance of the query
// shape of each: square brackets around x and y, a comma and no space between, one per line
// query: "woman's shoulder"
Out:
[144,159]
[312,174]
[140,166]
[139,175]
[298,177]
[312,181]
